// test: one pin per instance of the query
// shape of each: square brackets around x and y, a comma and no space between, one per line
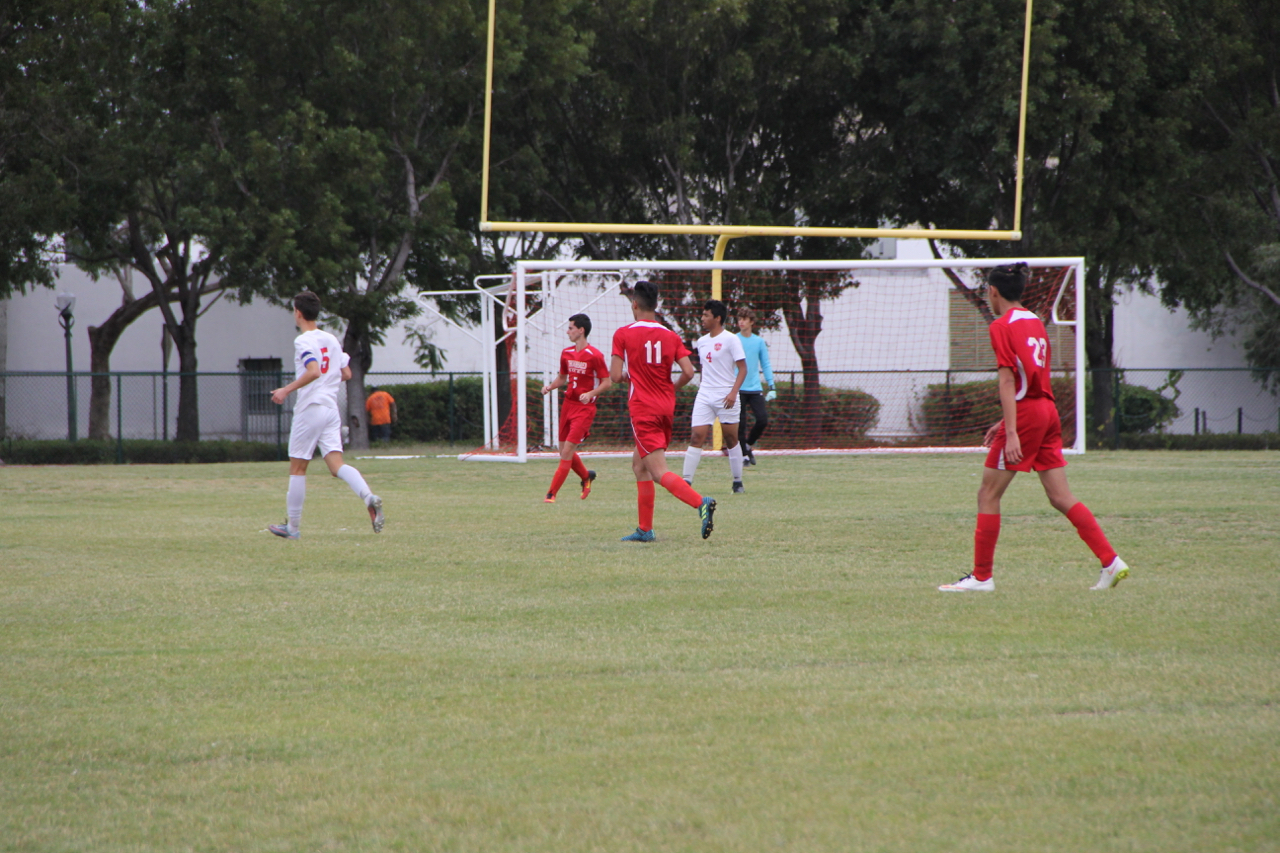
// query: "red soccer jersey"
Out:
[582,369]
[649,350]
[1022,345]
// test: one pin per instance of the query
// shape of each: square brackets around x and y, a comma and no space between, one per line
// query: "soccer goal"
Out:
[867,356]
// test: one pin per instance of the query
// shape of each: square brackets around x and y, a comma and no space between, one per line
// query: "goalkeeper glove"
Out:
[771,396]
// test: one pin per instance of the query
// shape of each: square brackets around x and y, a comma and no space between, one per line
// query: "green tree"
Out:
[1110,87]
[345,134]
[101,173]
[1223,261]
[710,112]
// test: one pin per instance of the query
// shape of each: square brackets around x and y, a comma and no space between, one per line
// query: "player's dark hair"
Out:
[717,309]
[645,295]
[308,305]
[583,322]
[1009,280]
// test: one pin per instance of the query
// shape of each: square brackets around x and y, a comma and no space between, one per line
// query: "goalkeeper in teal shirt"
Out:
[751,394]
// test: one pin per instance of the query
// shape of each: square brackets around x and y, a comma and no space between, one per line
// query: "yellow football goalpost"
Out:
[725,233]
[728,232]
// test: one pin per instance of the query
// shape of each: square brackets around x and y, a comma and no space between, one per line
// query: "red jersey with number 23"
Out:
[649,350]
[1021,344]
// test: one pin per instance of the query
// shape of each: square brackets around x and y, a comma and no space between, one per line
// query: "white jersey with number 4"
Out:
[323,348]
[719,355]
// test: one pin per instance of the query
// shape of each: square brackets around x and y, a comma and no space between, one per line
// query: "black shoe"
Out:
[748,455]
[738,488]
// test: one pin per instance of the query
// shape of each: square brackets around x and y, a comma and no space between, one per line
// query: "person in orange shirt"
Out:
[381,407]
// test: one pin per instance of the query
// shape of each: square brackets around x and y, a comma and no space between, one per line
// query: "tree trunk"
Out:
[804,331]
[1098,347]
[102,342]
[4,364]
[504,378]
[188,381]
[356,344]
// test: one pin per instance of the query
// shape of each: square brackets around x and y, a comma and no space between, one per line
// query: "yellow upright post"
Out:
[1022,123]
[717,292]
[488,114]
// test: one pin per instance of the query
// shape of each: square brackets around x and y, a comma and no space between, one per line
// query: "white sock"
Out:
[352,478]
[692,457]
[735,461]
[294,500]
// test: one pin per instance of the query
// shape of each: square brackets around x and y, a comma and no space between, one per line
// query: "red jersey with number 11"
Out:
[1022,345]
[649,350]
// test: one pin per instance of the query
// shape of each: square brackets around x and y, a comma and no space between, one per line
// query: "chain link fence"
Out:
[446,406]
[231,406]
[1204,401]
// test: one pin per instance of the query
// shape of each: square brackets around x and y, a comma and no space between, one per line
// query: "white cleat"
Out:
[1112,574]
[969,583]
[375,513]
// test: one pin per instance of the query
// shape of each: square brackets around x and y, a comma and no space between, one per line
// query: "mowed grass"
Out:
[494,673]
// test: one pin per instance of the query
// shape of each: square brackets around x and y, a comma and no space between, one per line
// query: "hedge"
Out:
[423,410]
[962,412]
[63,452]
[846,416]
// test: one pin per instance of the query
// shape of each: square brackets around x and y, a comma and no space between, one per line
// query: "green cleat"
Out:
[640,536]
[706,512]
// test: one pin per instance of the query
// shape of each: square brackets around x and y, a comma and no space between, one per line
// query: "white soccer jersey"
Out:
[323,348]
[719,356]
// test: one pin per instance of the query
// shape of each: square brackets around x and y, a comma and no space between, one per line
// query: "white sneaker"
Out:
[1112,574]
[969,583]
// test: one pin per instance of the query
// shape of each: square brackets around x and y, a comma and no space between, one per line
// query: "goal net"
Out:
[867,356]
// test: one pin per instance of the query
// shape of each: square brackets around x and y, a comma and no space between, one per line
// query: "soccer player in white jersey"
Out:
[320,366]
[724,369]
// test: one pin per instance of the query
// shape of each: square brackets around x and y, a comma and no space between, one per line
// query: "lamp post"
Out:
[66,303]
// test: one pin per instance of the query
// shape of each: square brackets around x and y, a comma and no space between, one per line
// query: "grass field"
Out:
[494,673]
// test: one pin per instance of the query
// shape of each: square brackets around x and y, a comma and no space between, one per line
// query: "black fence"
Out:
[231,406]
[447,406]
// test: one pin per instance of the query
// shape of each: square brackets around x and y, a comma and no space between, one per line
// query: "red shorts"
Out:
[575,422]
[1039,433]
[652,432]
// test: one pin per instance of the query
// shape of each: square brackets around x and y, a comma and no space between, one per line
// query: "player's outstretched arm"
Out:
[588,396]
[991,433]
[310,374]
[558,382]
[1008,385]
[686,372]
[737,383]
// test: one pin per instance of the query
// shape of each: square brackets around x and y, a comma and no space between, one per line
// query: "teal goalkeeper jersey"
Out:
[757,360]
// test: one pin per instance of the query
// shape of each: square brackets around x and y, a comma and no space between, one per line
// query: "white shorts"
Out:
[312,426]
[707,409]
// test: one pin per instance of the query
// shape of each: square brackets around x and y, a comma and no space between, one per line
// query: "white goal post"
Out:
[900,352]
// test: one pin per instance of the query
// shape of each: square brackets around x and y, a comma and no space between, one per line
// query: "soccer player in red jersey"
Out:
[1029,438]
[581,365]
[646,349]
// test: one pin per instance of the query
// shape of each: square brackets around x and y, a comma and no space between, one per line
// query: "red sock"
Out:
[984,545]
[644,498]
[578,467]
[682,490]
[562,471]
[1091,532]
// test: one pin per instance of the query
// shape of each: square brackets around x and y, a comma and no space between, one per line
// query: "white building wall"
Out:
[1149,340]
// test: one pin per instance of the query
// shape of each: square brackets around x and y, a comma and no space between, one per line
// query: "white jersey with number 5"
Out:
[323,348]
